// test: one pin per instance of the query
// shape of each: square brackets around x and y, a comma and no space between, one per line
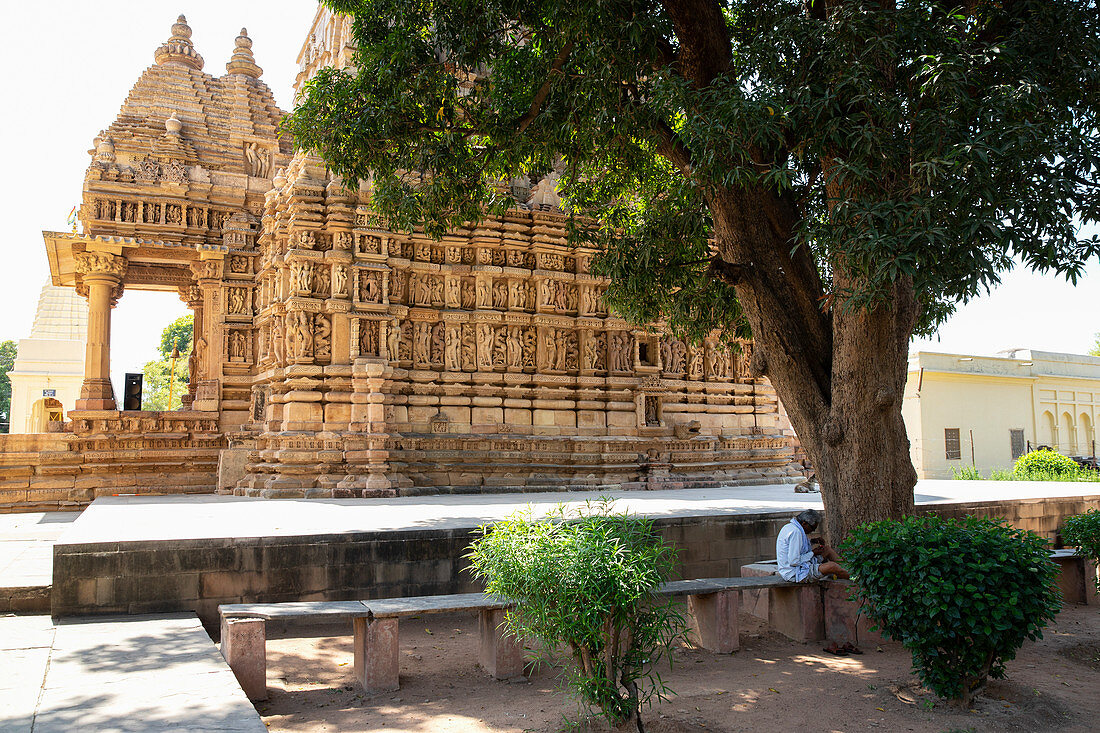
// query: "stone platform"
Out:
[26,559]
[117,675]
[160,554]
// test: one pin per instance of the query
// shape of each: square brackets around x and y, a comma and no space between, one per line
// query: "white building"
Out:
[49,368]
[985,411]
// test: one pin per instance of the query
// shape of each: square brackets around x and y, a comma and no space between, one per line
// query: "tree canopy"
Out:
[7,363]
[160,382]
[922,140]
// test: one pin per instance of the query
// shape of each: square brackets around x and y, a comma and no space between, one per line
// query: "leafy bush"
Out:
[584,579]
[1045,462]
[966,473]
[961,595]
[1083,532]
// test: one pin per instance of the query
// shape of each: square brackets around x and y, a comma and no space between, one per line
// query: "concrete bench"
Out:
[712,602]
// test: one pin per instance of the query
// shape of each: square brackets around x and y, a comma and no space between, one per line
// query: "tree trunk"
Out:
[839,372]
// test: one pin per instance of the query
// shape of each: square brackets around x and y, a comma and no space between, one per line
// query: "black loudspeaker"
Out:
[131,396]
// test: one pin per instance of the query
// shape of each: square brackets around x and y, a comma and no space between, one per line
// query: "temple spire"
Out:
[243,61]
[178,49]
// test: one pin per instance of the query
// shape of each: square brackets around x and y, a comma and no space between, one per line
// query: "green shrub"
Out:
[1045,462]
[961,595]
[584,580]
[1083,532]
[966,473]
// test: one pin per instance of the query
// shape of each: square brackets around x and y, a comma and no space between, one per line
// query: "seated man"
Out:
[798,558]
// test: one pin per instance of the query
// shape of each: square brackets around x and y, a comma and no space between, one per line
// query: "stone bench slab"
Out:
[456,603]
[319,611]
[716,585]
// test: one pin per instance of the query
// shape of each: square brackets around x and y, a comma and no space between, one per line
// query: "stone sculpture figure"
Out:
[571,351]
[469,301]
[439,343]
[530,347]
[561,302]
[322,339]
[454,292]
[500,346]
[484,346]
[368,338]
[436,286]
[278,341]
[421,343]
[570,297]
[238,264]
[621,358]
[257,160]
[423,294]
[321,281]
[236,345]
[515,347]
[393,339]
[302,274]
[370,287]
[404,346]
[590,351]
[469,348]
[339,280]
[397,287]
[695,366]
[302,332]
[484,294]
[500,295]
[546,293]
[549,349]
[677,359]
[452,361]
[236,300]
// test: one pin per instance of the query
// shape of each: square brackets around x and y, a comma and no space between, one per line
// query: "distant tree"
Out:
[1095,350]
[178,333]
[7,362]
[158,373]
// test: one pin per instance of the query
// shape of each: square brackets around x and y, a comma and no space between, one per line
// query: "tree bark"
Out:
[839,372]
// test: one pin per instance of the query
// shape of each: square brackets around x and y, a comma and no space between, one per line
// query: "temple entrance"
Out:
[44,412]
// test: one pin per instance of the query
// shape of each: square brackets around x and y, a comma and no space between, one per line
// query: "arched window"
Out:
[1048,431]
[1085,434]
[1069,444]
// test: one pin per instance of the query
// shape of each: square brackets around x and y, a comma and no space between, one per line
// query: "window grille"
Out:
[951,440]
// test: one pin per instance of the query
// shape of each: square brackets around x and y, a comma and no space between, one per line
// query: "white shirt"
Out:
[793,551]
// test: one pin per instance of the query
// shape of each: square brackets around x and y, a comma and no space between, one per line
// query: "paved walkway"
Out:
[117,675]
[26,546]
[137,519]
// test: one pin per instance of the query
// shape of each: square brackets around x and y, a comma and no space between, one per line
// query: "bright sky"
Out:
[72,62]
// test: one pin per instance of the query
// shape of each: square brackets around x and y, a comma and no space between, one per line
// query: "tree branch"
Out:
[544,90]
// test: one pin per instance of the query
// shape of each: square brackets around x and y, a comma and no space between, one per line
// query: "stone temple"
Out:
[334,357]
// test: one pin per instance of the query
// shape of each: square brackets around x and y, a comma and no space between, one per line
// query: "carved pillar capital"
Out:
[100,265]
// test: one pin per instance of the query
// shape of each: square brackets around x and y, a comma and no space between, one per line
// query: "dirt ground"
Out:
[771,684]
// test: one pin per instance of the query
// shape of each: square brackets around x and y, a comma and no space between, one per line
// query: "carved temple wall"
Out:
[392,363]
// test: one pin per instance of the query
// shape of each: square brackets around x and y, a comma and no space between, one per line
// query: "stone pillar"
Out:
[101,276]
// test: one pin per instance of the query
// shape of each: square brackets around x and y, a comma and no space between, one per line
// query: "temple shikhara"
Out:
[334,357]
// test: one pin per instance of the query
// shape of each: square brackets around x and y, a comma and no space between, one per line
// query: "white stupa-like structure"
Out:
[49,369]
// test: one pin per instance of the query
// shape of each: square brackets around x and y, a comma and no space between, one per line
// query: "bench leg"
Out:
[714,621]
[244,646]
[501,654]
[1072,579]
[798,613]
[376,644]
